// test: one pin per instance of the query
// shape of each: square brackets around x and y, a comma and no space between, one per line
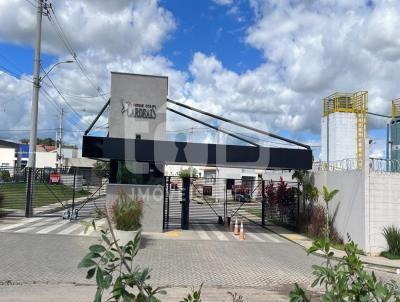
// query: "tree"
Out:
[328,196]
[309,191]
[40,141]
[101,169]
[186,172]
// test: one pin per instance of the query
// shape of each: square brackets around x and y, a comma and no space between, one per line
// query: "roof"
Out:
[8,144]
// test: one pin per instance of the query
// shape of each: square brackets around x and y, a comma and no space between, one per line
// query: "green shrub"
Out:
[1,204]
[315,227]
[5,175]
[346,279]
[101,169]
[127,212]
[392,236]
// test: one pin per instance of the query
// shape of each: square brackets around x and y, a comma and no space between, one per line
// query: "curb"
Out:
[382,267]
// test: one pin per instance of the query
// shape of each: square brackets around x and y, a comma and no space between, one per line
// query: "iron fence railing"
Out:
[217,200]
[29,192]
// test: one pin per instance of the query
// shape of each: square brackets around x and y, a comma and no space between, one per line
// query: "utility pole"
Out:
[59,140]
[34,114]
[36,86]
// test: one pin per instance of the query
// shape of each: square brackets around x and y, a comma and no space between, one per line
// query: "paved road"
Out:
[177,259]
[54,223]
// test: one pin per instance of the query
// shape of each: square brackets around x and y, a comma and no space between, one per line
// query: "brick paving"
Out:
[270,266]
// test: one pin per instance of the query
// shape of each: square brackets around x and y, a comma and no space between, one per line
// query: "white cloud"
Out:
[127,28]
[106,35]
[223,2]
[311,49]
[319,47]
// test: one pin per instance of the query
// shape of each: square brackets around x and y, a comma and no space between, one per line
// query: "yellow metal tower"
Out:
[352,103]
[395,108]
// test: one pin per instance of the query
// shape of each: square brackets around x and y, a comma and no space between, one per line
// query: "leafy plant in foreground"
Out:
[112,265]
[195,296]
[346,279]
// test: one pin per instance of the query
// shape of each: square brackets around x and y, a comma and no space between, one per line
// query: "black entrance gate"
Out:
[191,201]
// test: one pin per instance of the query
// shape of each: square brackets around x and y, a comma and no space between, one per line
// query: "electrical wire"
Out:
[61,95]
[31,3]
[63,37]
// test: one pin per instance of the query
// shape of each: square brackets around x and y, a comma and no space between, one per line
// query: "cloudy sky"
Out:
[264,63]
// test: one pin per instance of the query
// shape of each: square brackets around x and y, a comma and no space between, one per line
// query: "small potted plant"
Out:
[126,215]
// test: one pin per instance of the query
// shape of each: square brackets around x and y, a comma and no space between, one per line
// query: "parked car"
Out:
[174,186]
[241,193]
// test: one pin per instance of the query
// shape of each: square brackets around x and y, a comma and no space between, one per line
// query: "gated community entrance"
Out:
[137,150]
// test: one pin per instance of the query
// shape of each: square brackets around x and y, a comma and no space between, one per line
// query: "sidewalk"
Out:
[392,266]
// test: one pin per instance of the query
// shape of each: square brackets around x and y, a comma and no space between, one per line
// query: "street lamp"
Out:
[34,116]
[52,67]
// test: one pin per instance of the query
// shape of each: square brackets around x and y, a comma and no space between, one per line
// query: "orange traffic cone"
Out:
[241,236]
[236,230]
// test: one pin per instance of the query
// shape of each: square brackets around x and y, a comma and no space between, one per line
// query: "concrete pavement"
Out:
[42,267]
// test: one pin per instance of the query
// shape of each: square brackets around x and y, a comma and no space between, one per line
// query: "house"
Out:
[9,155]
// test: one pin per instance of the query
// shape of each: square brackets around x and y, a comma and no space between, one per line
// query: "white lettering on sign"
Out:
[135,110]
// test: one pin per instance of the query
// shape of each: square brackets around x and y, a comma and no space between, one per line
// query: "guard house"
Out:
[137,149]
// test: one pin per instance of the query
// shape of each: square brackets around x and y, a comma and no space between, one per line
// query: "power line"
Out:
[63,37]
[62,96]
[12,63]
[50,99]
[85,96]
[31,3]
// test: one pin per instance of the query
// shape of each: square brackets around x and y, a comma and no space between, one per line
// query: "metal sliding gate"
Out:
[190,201]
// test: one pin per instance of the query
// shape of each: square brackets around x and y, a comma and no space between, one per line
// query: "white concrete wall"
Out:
[128,93]
[46,159]
[384,207]
[349,203]
[342,136]
[7,157]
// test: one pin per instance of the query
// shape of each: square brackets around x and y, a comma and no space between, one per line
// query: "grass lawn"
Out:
[340,246]
[390,256]
[14,194]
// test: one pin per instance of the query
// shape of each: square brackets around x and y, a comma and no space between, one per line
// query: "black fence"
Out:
[67,192]
[217,200]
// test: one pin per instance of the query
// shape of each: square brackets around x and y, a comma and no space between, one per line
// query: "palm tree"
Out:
[328,196]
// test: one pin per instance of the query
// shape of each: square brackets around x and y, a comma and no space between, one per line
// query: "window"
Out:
[131,172]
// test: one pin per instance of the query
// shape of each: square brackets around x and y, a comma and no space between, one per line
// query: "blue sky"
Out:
[201,26]
[267,63]
[207,27]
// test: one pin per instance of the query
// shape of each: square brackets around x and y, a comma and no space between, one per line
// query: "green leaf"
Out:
[87,262]
[90,273]
[97,248]
[99,278]
[105,239]
[107,280]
